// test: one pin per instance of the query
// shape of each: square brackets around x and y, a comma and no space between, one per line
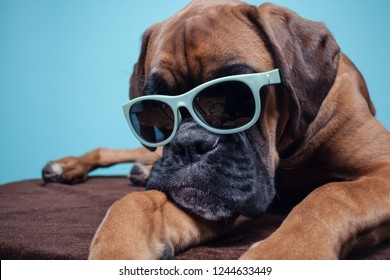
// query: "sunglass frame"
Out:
[254,81]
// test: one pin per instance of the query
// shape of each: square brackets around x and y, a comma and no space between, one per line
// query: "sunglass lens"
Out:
[152,120]
[226,105]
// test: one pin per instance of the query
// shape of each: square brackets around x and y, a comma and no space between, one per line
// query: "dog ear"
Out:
[137,79]
[307,57]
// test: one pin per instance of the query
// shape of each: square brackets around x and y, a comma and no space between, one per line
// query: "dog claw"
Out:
[52,172]
[168,253]
[139,174]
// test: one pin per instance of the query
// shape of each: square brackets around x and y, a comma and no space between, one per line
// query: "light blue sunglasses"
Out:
[226,105]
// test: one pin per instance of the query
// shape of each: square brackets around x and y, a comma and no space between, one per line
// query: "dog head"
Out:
[220,176]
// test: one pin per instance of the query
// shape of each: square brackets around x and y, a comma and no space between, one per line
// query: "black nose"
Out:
[193,141]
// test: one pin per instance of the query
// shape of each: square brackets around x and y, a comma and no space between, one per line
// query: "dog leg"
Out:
[146,225]
[331,221]
[72,170]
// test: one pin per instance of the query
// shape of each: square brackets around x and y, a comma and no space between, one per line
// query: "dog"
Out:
[316,145]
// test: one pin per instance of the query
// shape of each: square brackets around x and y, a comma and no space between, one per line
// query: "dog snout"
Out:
[192,142]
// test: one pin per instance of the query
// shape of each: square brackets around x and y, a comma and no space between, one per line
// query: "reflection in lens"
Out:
[152,120]
[226,105]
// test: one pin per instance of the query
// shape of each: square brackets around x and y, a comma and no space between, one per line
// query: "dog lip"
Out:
[189,198]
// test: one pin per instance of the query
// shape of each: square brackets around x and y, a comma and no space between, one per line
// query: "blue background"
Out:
[65,67]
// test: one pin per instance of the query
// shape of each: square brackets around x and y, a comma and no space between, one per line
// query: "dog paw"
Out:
[139,174]
[294,249]
[68,170]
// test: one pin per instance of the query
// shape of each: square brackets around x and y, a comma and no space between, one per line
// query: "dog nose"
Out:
[193,141]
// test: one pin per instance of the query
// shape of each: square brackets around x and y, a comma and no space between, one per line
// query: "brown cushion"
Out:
[56,221]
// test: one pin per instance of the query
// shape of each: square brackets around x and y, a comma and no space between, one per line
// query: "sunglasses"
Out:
[224,106]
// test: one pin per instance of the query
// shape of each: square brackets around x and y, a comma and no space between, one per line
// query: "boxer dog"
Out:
[251,105]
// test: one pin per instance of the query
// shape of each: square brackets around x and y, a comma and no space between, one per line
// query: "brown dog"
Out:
[317,142]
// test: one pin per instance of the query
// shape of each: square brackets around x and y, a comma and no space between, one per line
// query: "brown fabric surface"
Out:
[56,221]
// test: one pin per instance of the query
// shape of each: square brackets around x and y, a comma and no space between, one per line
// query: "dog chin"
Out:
[201,204]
